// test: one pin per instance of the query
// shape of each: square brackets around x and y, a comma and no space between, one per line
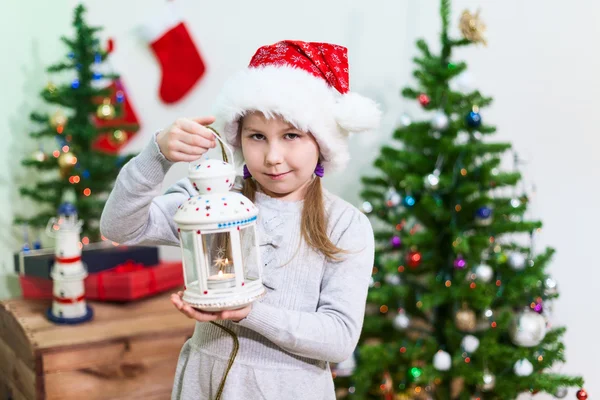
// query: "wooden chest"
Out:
[128,351]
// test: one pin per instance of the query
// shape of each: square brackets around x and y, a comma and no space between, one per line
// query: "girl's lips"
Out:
[280,176]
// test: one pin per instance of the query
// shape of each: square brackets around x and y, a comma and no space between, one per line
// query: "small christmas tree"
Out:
[87,126]
[459,303]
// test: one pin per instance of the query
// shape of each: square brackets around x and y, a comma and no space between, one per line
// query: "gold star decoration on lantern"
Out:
[472,27]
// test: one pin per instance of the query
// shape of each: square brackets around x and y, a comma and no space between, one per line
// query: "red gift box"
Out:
[126,282]
[132,281]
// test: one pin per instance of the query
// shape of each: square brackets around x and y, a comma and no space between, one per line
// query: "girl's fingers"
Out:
[204,120]
[197,140]
[177,156]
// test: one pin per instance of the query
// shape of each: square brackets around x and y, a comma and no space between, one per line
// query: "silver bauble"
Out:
[527,329]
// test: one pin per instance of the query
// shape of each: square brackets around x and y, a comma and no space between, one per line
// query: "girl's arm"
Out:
[135,211]
[332,332]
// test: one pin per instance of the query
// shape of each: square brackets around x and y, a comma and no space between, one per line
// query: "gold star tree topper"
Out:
[472,27]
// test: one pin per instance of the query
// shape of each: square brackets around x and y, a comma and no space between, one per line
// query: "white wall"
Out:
[540,67]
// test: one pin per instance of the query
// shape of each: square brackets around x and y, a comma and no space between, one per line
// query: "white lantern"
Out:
[68,272]
[217,232]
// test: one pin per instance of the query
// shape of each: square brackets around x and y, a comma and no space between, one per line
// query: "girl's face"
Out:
[280,157]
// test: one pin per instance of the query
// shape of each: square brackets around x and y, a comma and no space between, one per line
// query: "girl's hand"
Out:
[203,316]
[187,139]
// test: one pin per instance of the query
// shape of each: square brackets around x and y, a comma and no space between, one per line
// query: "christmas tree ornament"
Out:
[537,307]
[432,181]
[404,121]
[106,110]
[472,27]
[517,261]
[395,241]
[582,394]
[180,61]
[527,328]
[75,84]
[413,259]
[424,100]
[415,373]
[462,83]
[401,320]
[51,88]
[442,361]
[408,201]
[550,287]
[489,381]
[58,119]
[346,367]
[39,156]
[523,367]
[222,265]
[366,207]
[483,216]
[117,137]
[473,119]
[460,263]
[561,392]
[470,344]
[392,279]
[392,198]
[465,319]
[440,121]
[515,202]
[66,160]
[68,272]
[484,273]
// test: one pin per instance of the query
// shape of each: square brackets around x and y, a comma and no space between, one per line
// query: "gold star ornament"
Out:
[472,27]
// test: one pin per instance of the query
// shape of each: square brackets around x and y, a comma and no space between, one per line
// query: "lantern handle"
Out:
[223,146]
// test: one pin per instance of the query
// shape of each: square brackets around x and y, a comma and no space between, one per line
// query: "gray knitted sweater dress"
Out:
[312,313]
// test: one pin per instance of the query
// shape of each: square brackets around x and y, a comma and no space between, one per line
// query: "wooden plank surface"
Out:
[148,317]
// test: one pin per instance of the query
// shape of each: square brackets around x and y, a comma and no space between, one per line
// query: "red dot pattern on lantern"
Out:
[582,394]
[424,100]
[413,259]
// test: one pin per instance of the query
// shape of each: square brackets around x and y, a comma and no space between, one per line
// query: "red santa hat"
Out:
[308,85]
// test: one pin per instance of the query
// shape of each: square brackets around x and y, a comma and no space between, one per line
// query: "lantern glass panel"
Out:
[189,262]
[249,253]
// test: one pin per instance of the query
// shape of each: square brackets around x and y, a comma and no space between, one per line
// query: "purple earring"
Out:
[319,170]
[247,173]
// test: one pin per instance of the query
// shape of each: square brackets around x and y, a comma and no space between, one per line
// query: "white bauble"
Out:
[346,367]
[470,344]
[392,279]
[523,367]
[484,273]
[516,261]
[527,329]
[440,121]
[489,381]
[442,361]
[401,321]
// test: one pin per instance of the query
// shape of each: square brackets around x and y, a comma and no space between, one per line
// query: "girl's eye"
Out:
[292,136]
[257,136]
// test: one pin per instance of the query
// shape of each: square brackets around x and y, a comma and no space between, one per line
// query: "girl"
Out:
[288,115]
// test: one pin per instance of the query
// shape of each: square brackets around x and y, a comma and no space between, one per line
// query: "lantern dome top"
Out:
[67,209]
[216,211]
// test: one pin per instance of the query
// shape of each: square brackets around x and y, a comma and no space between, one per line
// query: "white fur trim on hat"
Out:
[302,99]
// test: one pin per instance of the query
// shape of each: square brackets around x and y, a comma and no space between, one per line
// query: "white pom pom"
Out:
[442,361]
[355,113]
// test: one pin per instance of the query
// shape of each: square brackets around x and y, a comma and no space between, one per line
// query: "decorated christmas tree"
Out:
[460,300]
[89,121]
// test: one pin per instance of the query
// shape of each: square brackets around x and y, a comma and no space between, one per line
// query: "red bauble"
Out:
[413,259]
[582,394]
[424,99]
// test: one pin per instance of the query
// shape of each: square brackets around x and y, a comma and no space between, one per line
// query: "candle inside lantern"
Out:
[221,280]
